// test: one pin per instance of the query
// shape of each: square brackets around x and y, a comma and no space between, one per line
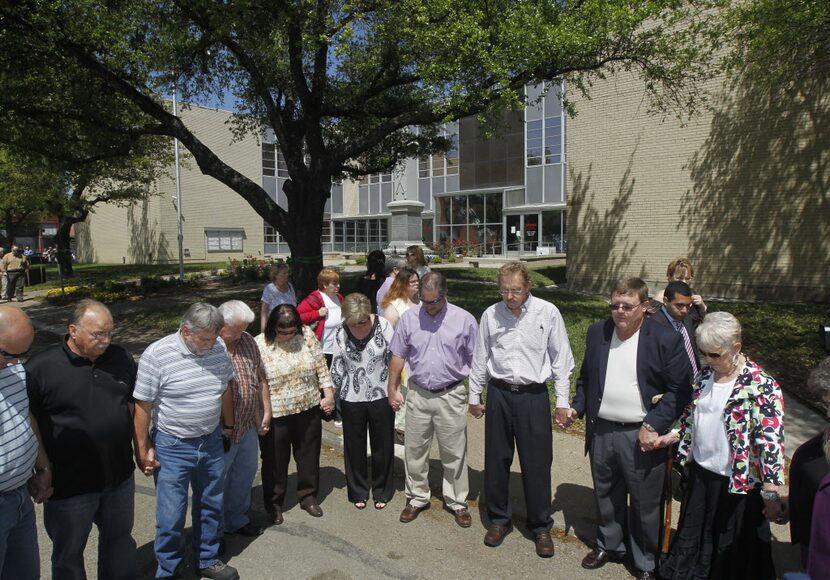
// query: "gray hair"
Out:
[202,316]
[434,282]
[355,307]
[393,262]
[84,306]
[236,311]
[718,330]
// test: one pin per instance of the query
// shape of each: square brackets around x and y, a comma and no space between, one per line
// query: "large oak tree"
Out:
[343,84]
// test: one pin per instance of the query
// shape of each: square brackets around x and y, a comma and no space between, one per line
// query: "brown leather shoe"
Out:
[495,534]
[544,545]
[463,517]
[596,558]
[312,508]
[646,575]
[410,512]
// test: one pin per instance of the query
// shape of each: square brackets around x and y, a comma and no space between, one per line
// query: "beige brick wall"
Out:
[743,190]
[147,231]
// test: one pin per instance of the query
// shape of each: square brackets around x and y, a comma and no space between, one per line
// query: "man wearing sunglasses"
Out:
[81,396]
[21,454]
[437,340]
[634,382]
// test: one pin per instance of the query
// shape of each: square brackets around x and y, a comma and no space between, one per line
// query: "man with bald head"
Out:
[21,455]
[81,396]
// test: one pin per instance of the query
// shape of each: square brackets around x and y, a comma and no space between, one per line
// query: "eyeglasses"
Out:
[623,307]
[288,332]
[12,355]
[432,302]
[712,355]
[685,279]
[414,282]
[98,335]
[512,292]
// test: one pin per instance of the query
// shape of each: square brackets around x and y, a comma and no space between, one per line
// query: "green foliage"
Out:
[250,269]
[348,88]
[360,260]
[436,260]
[780,42]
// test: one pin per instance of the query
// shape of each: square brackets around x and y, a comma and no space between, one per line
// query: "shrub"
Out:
[451,258]
[360,260]
[437,260]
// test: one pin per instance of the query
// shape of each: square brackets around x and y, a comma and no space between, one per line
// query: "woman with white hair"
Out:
[251,414]
[360,372]
[731,437]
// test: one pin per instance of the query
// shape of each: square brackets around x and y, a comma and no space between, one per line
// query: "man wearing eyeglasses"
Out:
[634,382]
[81,396]
[22,460]
[522,342]
[437,340]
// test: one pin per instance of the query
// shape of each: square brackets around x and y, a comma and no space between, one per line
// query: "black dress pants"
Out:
[302,434]
[378,419]
[523,417]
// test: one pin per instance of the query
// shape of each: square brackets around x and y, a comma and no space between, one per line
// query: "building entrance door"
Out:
[521,233]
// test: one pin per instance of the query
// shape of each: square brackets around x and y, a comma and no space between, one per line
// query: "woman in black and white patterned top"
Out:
[359,371]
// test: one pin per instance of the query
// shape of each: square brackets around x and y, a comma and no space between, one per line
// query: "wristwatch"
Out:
[648,427]
[769,495]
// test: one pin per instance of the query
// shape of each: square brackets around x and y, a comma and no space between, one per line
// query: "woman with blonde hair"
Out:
[415,259]
[681,270]
[360,372]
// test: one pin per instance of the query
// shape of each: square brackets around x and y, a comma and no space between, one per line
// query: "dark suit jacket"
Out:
[662,368]
[691,324]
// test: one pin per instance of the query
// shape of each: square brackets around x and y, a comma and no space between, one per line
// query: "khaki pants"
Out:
[4,281]
[444,415]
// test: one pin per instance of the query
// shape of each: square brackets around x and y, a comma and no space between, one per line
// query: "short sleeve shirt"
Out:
[185,389]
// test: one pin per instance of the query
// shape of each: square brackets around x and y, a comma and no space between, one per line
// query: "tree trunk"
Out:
[306,203]
[64,248]
[10,227]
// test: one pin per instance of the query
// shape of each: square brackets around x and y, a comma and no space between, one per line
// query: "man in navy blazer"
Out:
[678,312]
[634,383]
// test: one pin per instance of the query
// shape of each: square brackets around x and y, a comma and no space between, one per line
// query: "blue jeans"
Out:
[241,463]
[19,557]
[69,521]
[199,463]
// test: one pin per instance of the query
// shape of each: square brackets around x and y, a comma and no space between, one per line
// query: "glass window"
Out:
[268,161]
[442,212]
[492,204]
[553,140]
[282,168]
[270,235]
[426,230]
[361,230]
[338,232]
[475,209]
[325,236]
[437,165]
[514,197]
[224,240]
[423,167]
[534,143]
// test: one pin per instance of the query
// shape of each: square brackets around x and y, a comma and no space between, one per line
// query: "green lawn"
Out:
[86,274]
[780,337]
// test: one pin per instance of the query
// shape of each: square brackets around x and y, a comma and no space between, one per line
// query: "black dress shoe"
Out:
[248,529]
[596,558]
[275,517]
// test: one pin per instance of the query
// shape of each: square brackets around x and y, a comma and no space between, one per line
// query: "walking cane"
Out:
[667,492]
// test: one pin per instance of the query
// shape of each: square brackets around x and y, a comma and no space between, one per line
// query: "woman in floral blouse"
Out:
[731,436]
[296,371]
[360,371]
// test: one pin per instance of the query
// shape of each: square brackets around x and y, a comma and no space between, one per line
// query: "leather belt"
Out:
[637,424]
[441,389]
[528,388]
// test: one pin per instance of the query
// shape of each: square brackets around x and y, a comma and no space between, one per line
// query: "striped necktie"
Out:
[687,342]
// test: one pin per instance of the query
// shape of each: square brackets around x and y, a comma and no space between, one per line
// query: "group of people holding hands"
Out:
[660,379]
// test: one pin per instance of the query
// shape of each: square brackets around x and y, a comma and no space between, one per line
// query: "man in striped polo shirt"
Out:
[21,455]
[182,382]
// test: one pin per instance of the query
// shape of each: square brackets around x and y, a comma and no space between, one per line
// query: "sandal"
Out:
[360,505]
[379,505]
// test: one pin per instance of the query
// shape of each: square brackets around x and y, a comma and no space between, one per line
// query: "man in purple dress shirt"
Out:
[437,340]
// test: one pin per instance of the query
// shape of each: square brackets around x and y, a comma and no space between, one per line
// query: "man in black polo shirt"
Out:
[80,393]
